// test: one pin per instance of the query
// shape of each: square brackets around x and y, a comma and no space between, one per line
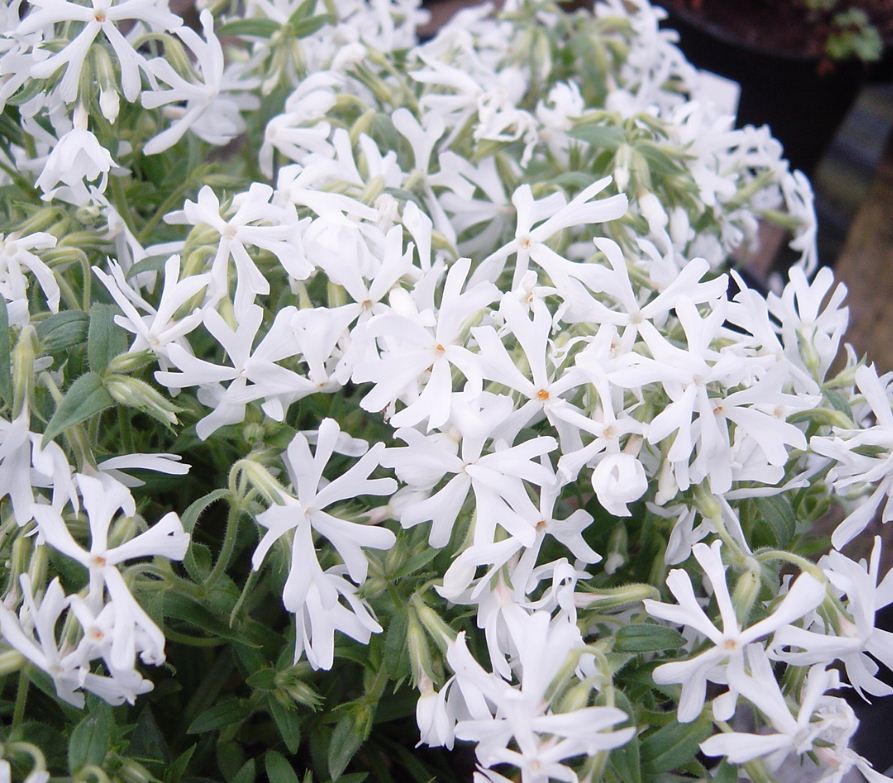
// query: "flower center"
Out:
[100,16]
[542,394]
[439,348]
[99,561]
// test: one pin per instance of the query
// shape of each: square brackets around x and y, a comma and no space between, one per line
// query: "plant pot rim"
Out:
[697,21]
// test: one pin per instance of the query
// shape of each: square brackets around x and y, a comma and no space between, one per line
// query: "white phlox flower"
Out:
[211,105]
[853,467]
[309,592]
[16,254]
[726,645]
[76,157]
[515,724]
[134,632]
[101,16]
[853,637]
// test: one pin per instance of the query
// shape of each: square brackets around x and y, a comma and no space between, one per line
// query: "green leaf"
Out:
[105,340]
[90,740]
[5,355]
[647,637]
[63,330]
[287,722]
[626,762]
[250,28]
[345,742]
[85,398]
[148,264]
[839,402]
[191,514]
[224,713]
[147,740]
[599,136]
[673,745]
[777,512]
[395,643]
[263,680]
[181,607]
[725,773]
[309,26]
[304,10]
[176,770]
[247,774]
[278,768]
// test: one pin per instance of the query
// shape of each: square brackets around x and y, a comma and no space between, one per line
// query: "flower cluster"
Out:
[451,329]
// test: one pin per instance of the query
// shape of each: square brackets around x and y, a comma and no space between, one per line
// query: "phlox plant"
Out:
[384,410]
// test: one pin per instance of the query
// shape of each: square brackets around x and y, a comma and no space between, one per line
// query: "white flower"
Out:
[160,326]
[857,641]
[17,252]
[854,467]
[207,111]
[103,497]
[728,644]
[102,16]
[77,156]
[310,592]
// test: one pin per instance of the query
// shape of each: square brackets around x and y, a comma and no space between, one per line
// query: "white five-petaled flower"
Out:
[308,589]
[728,644]
[103,498]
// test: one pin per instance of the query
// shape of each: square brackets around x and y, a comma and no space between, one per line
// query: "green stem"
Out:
[229,544]
[18,711]
[126,429]
[119,198]
[175,198]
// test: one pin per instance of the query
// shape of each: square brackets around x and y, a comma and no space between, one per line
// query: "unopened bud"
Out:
[132,771]
[128,363]
[134,393]
[23,369]
[434,624]
[419,651]
[747,588]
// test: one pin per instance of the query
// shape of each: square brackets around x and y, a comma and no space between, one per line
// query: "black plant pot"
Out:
[802,104]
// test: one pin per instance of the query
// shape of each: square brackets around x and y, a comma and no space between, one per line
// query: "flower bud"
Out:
[134,393]
[747,588]
[434,624]
[132,771]
[291,688]
[109,102]
[618,552]
[23,370]
[619,479]
[128,363]
[11,661]
[419,651]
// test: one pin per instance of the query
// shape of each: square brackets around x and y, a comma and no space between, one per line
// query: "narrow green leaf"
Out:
[85,398]
[62,331]
[304,10]
[176,770]
[287,722]
[309,26]
[395,644]
[674,745]
[777,512]
[105,340]
[247,774]
[147,740]
[5,355]
[626,762]
[191,514]
[224,713]
[278,768]
[250,28]
[725,773]
[345,742]
[599,136]
[148,264]
[89,742]
[647,637]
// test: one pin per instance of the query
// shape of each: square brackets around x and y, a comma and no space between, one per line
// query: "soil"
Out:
[781,25]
